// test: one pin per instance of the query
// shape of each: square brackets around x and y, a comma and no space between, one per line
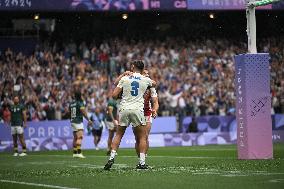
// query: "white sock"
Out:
[146,155]
[112,155]
[142,159]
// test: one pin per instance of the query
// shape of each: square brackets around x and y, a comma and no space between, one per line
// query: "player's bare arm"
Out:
[110,113]
[127,73]
[84,112]
[116,92]
[25,118]
[155,107]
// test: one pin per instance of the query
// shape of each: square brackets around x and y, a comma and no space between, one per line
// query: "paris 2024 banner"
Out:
[127,5]
[57,135]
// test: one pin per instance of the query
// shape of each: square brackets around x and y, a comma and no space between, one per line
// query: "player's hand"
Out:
[25,125]
[154,114]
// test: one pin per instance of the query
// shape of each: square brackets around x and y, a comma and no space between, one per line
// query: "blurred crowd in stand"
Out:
[194,77]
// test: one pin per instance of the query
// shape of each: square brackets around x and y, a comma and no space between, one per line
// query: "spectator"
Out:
[192,127]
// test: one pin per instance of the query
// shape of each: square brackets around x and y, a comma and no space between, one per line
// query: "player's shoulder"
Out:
[124,78]
[146,79]
[73,103]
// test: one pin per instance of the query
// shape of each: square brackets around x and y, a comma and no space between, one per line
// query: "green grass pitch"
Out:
[172,168]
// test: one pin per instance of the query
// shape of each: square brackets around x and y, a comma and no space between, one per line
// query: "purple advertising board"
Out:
[57,135]
[127,5]
[51,135]
[220,5]
[212,124]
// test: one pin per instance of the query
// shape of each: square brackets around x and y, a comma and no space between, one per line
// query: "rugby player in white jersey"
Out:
[131,110]
[149,112]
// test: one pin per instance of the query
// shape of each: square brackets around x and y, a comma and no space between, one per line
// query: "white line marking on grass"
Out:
[276,180]
[251,174]
[90,167]
[115,166]
[35,184]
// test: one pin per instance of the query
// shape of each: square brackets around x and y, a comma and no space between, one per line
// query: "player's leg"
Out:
[148,129]
[78,132]
[109,140]
[117,139]
[20,132]
[97,138]
[114,146]
[74,128]
[79,135]
[140,134]
[75,152]
[100,132]
[96,141]
[111,131]
[23,143]
[120,130]
[15,143]
[137,140]
[94,135]
[139,123]
[136,143]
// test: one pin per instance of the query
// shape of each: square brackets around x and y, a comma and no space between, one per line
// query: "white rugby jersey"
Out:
[133,88]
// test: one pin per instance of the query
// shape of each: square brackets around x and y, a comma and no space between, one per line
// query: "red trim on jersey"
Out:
[147,104]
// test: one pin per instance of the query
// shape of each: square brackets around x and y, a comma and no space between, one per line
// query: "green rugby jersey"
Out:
[75,110]
[17,115]
[113,104]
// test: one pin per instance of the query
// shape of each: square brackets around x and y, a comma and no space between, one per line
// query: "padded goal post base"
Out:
[253,106]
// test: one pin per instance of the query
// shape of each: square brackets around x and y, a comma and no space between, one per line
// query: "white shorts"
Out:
[110,125]
[149,119]
[17,130]
[133,117]
[77,126]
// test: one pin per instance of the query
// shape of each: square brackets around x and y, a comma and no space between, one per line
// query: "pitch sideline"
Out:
[36,184]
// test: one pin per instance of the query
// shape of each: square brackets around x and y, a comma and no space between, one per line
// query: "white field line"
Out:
[90,166]
[251,174]
[35,184]
[276,180]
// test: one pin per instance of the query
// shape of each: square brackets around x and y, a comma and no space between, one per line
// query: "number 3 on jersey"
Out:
[135,87]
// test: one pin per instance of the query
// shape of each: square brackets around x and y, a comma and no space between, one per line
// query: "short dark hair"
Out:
[77,95]
[138,64]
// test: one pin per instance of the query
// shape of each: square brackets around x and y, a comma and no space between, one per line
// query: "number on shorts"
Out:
[135,87]
[73,112]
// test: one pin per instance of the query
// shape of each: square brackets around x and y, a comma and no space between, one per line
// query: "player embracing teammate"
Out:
[149,112]
[131,111]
